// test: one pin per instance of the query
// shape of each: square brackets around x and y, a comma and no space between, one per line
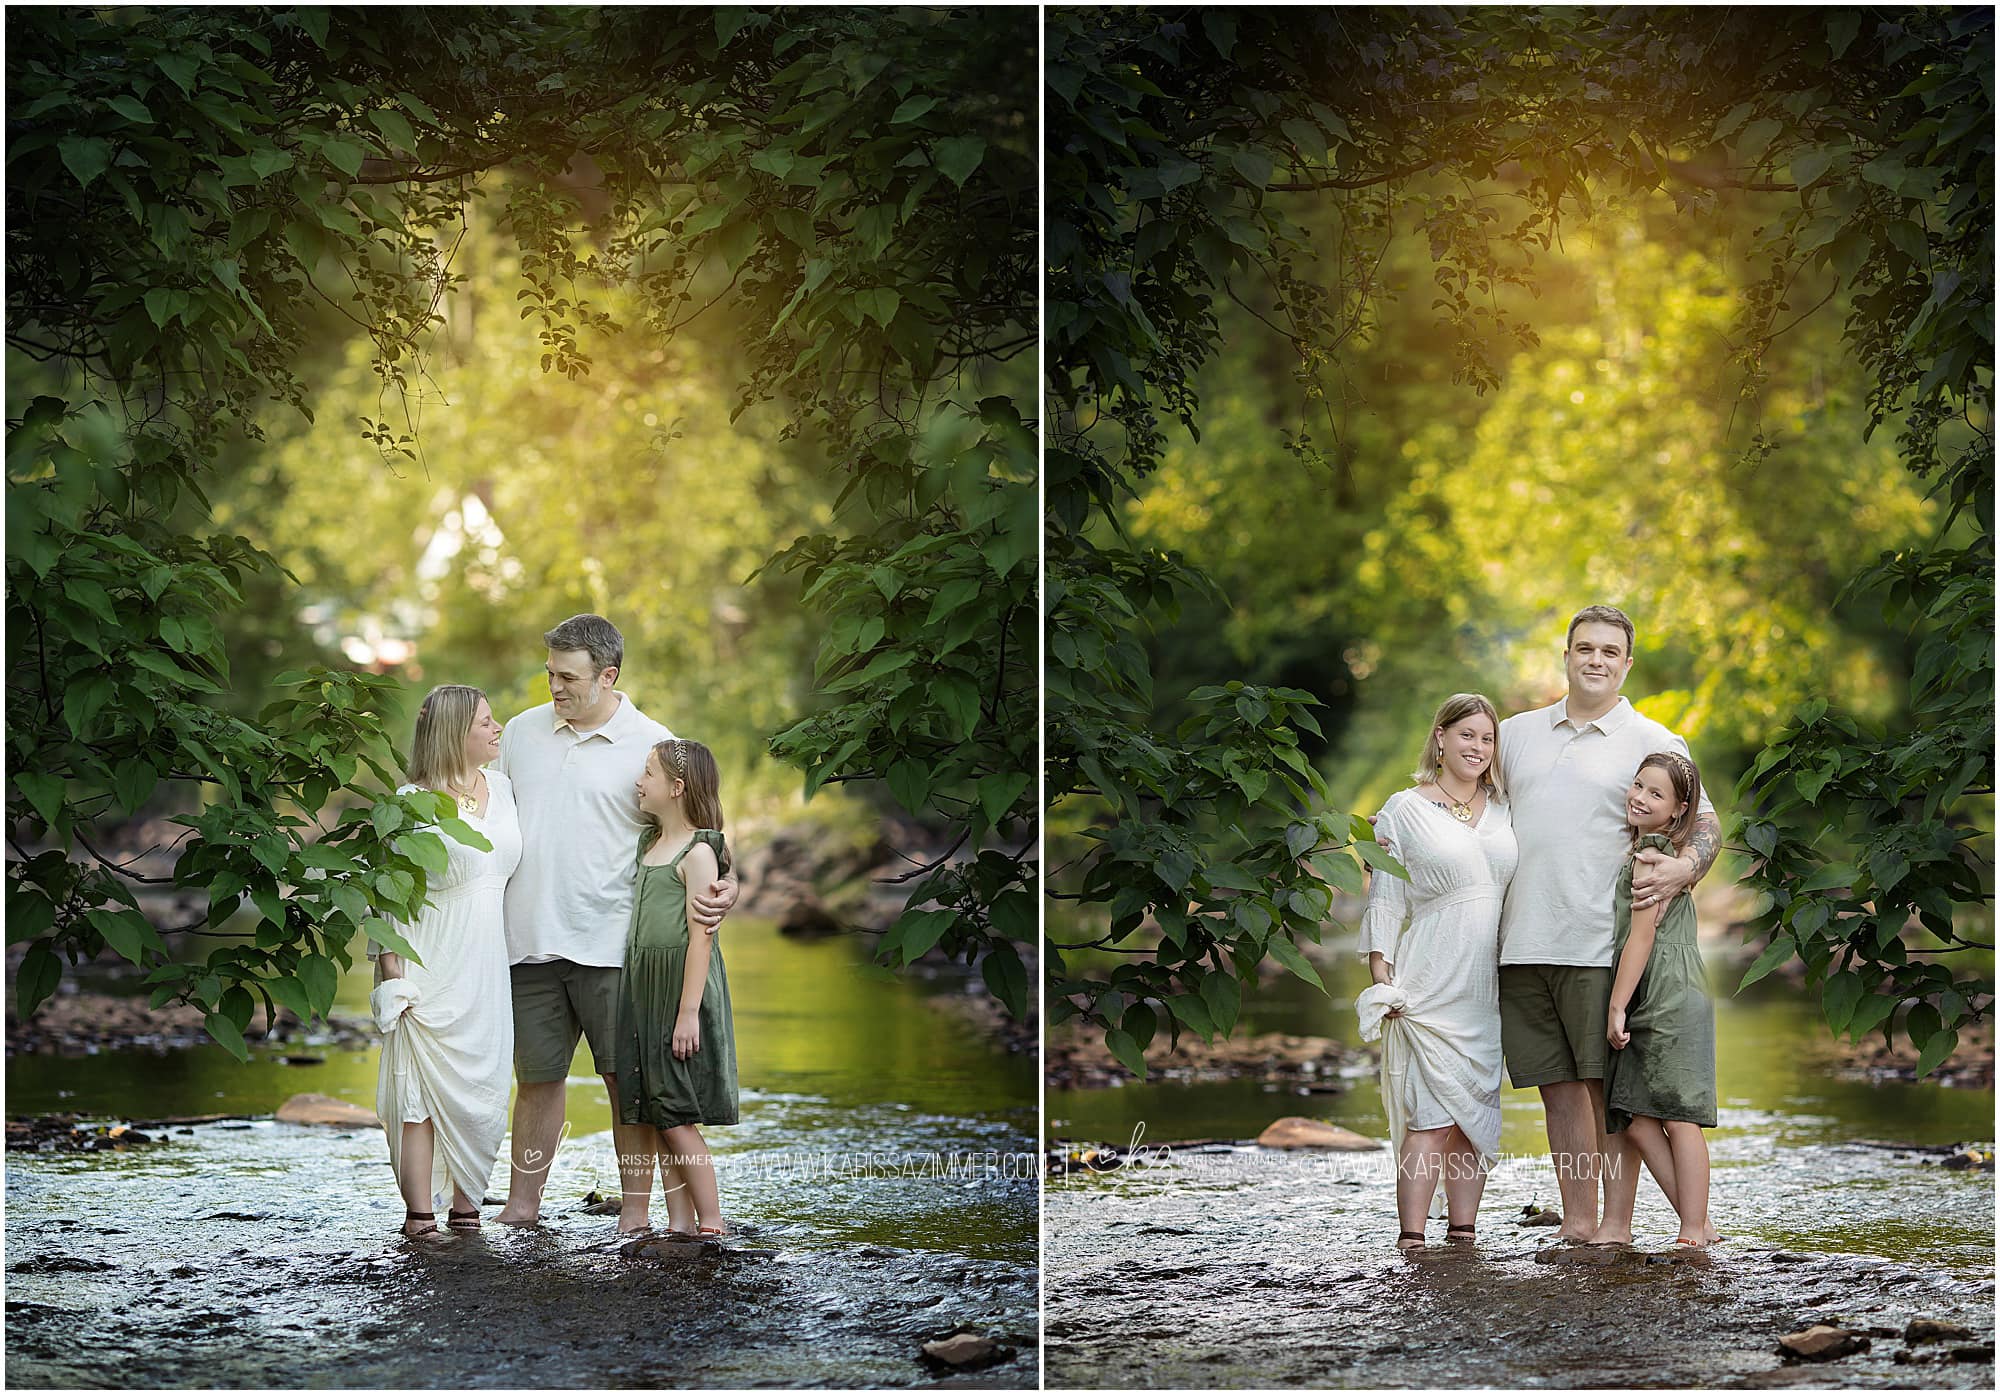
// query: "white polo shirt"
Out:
[571,896]
[1566,789]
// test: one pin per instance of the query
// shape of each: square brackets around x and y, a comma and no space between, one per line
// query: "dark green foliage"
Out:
[1202,155]
[191,191]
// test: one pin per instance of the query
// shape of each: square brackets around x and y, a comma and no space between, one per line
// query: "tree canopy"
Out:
[1213,169]
[193,193]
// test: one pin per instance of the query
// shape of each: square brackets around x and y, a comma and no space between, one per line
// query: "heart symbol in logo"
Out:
[531,1156]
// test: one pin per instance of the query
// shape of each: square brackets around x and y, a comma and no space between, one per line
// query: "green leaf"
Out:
[1223,997]
[997,794]
[344,156]
[1287,953]
[37,977]
[44,792]
[1936,1050]
[462,832]
[227,1035]
[1126,1050]
[86,157]
[910,781]
[959,156]
[128,933]
[1380,858]
[919,931]
[1007,979]
[1340,870]
[131,108]
[911,108]
[395,127]
[878,304]
[427,850]
[389,935]
[1193,1013]
[290,994]
[180,67]
[321,979]
[1777,952]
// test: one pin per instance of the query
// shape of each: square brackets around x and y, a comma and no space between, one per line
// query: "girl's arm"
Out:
[1631,964]
[1380,970]
[697,868]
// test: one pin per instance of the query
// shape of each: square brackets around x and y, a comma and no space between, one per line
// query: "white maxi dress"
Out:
[448,1025]
[1440,932]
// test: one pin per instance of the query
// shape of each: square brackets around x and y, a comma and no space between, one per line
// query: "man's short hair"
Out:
[593,633]
[1602,615]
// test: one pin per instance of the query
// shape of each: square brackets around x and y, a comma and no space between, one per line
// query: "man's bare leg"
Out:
[1622,1166]
[1574,1112]
[538,1122]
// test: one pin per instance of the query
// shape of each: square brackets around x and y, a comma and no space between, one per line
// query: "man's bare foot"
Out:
[508,1215]
[630,1224]
[1565,1236]
[1606,1235]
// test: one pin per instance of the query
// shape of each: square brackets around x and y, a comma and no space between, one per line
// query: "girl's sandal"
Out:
[462,1220]
[711,1232]
[1459,1234]
[429,1231]
[1412,1235]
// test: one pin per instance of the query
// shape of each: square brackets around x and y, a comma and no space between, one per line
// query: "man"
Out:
[1566,768]
[575,762]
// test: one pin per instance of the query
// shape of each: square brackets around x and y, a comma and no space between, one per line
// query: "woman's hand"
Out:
[1614,1029]
[390,965]
[687,1034]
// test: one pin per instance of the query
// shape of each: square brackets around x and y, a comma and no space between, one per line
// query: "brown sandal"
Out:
[1459,1233]
[462,1220]
[409,1216]
[1416,1235]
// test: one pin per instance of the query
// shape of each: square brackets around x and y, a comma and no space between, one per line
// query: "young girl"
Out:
[1659,1086]
[676,1045]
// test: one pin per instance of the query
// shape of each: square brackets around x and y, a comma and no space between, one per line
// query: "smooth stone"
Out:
[1821,1343]
[1931,1330]
[1295,1132]
[965,1351]
[325,1110]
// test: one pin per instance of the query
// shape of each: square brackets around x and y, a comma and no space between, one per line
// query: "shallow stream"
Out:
[882,1183]
[1232,1266]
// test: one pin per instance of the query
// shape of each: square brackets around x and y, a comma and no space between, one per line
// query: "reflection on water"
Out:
[1773,1063]
[882,1178]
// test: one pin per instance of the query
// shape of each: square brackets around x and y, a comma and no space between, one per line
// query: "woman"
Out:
[448,1023]
[1433,950]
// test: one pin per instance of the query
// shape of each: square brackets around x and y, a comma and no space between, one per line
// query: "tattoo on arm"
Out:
[1704,843]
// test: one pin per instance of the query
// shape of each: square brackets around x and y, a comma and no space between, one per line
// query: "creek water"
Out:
[882,1186]
[1230,1265]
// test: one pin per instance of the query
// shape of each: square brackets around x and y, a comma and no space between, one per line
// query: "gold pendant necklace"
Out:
[1460,811]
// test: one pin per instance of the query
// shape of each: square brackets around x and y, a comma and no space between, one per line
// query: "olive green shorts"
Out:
[554,1004]
[1552,1022]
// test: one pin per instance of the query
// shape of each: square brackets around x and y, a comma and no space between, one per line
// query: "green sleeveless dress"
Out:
[1667,1070]
[653,1087]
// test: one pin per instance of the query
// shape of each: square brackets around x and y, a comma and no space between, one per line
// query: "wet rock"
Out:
[1295,1132]
[1923,1330]
[1981,1352]
[303,1060]
[1532,1214]
[597,1204]
[807,918]
[1589,1256]
[664,1247]
[59,1264]
[326,1111]
[1821,1343]
[1969,1159]
[965,1351]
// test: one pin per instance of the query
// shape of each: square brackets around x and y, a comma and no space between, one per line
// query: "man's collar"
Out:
[1620,712]
[609,730]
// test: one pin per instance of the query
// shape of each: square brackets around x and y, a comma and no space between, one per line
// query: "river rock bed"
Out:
[259,1254]
[1233,1265]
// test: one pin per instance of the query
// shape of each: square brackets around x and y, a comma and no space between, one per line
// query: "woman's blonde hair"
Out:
[1686,780]
[1450,713]
[437,754]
